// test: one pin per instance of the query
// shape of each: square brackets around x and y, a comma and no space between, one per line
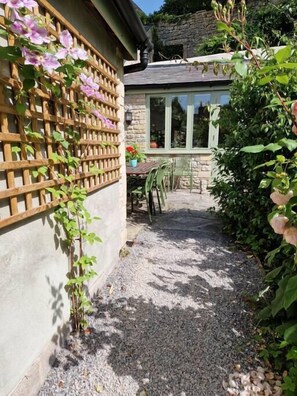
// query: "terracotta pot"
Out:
[153,145]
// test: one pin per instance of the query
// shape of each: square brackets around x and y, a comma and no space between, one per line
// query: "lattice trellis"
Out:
[22,195]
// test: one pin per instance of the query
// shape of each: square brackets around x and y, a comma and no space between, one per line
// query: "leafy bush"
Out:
[274,23]
[248,120]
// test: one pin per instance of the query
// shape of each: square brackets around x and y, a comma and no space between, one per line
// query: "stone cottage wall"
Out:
[136,133]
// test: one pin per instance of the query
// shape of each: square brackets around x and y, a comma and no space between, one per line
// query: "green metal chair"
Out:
[182,167]
[160,183]
[145,192]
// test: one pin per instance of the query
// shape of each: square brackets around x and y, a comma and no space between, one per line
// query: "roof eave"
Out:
[123,20]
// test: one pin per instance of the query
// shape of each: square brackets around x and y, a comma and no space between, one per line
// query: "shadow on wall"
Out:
[57,305]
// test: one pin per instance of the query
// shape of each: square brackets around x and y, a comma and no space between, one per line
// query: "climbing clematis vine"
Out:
[29,26]
[48,61]
[90,88]
[17,4]
[105,120]
[68,50]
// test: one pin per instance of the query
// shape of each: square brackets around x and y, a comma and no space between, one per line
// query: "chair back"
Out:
[183,164]
[161,172]
[150,179]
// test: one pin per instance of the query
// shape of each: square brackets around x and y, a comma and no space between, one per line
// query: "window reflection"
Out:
[179,121]
[201,120]
[157,122]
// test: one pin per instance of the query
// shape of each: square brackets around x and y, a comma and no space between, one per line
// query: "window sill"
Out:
[178,151]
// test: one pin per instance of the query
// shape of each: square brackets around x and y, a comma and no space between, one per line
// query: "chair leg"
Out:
[159,202]
[132,207]
[191,183]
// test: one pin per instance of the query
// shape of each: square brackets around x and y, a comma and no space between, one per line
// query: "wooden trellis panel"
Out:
[22,195]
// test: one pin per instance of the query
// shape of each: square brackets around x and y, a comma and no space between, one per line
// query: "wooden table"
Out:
[142,169]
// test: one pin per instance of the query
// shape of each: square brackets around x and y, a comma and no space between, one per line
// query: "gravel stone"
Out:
[172,319]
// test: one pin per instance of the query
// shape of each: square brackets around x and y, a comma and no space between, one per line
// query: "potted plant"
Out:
[134,154]
[153,142]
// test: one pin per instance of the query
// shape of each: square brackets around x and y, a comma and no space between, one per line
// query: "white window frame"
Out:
[213,133]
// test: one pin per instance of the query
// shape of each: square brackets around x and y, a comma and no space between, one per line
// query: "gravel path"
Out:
[171,320]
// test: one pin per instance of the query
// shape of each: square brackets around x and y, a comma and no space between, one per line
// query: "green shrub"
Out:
[248,121]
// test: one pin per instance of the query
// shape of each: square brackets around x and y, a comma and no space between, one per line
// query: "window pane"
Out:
[157,122]
[224,118]
[201,120]
[179,121]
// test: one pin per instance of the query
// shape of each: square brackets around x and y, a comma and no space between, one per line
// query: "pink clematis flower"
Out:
[281,199]
[29,27]
[67,42]
[16,4]
[106,121]
[90,88]
[48,61]
[290,235]
[278,223]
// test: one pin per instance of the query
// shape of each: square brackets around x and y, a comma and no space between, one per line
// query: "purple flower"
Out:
[105,120]
[48,61]
[28,26]
[67,42]
[90,88]
[16,4]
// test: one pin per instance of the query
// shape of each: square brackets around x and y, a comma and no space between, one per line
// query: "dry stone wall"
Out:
[189,32]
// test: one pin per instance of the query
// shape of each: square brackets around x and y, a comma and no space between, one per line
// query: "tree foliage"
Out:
[273,23]
[177,7]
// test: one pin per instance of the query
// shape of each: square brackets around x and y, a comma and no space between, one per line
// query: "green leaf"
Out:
[290,295]
[277,303]
[15,149]
[272,147]
[28,71]
[42,170]
[253,149]
[282,79]
[241,68]
[283,54]
[223,27]
[264,183]
[290,144]
[10,53]
[29,149]
[273,274]
[268,163]
[28,84]
[265,80]
[288,384]
[292,354]
[20,108]
[291,334]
